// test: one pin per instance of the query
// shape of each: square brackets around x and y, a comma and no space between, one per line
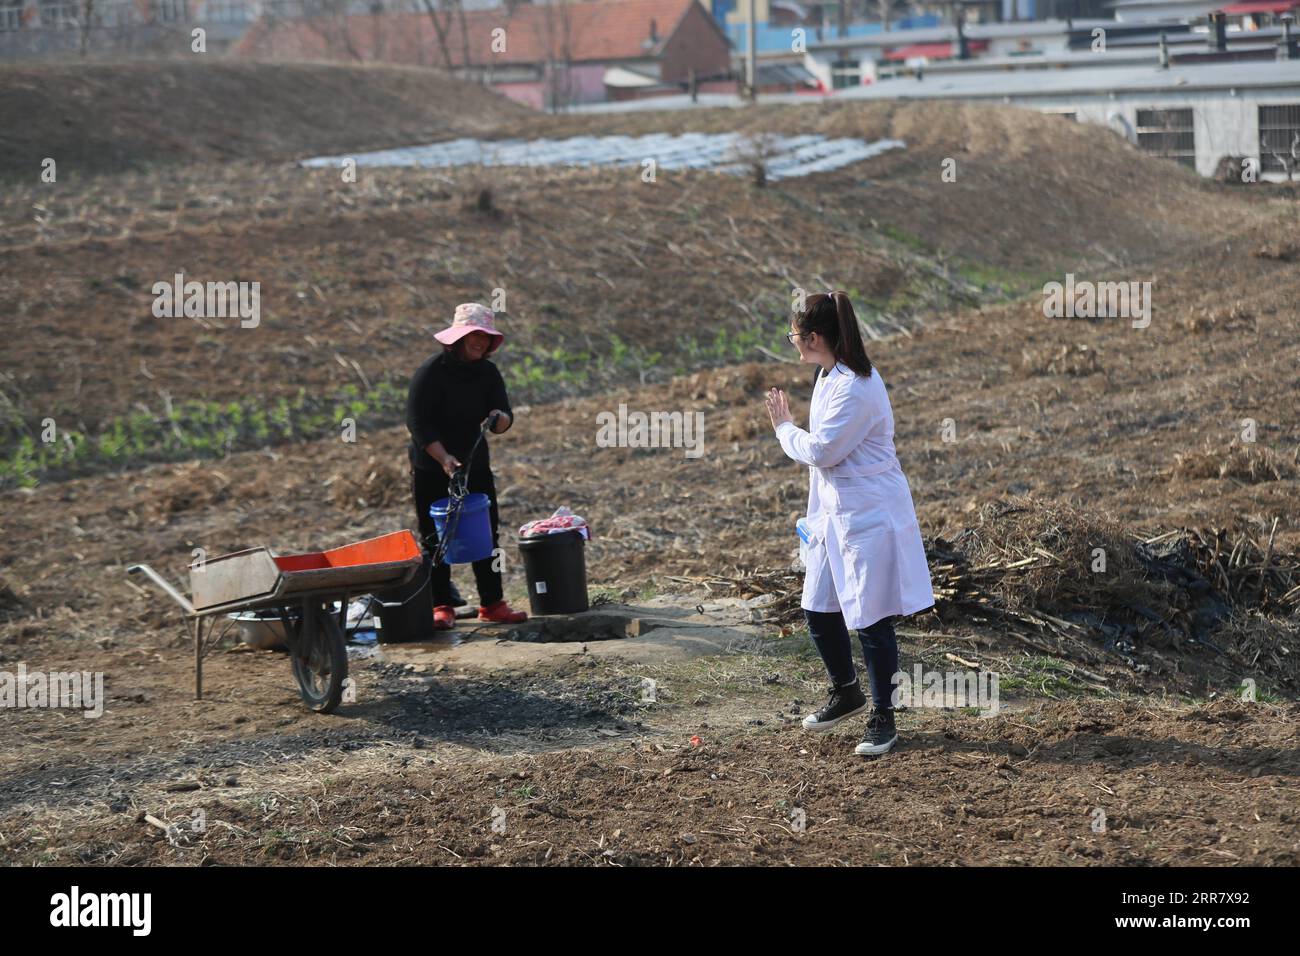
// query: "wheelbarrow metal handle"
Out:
[163,583]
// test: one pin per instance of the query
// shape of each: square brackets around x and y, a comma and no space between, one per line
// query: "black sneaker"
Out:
[881,735]
[845,702]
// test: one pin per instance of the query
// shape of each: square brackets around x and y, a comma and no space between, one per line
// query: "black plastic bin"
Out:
[556,568]
[406,613]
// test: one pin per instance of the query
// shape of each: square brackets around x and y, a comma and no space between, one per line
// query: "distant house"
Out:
[545,55]
[43,27]
[1247,15]
[1259,14]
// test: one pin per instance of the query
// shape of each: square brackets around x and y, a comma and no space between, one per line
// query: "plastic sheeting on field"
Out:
[785,157]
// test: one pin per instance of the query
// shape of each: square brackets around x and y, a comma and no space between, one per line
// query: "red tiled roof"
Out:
[593,30]
[1262,6]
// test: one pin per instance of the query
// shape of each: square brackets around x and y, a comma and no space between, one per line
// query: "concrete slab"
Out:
[661,629]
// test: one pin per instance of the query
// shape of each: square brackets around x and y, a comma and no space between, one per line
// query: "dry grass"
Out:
[1250,463]
[1264,641]
[101,117]
[1059,360]
[379,483]
[11,599]
[1235,316]
[1040,555]
[1078,585]
[1280,251]
[200,487]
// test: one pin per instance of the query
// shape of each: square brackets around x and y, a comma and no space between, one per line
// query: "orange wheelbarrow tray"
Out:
[303,589]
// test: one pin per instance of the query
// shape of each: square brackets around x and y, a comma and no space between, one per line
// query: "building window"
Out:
[1279,138]
[11,15]
[1167,133]
[115,14]
[59,14]
[845,73]
[169,11]
[224,11]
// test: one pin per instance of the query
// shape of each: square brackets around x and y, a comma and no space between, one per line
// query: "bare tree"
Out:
[378,30]
[440,13]
[1289,160]
[464,31]
[329,20]
[440,25]
[557,29]
[87,15]
[754,152]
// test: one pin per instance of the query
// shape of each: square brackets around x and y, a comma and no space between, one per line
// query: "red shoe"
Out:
[500,613]
[444,617]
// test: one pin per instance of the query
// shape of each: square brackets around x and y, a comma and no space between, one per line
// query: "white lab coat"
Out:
[865,555]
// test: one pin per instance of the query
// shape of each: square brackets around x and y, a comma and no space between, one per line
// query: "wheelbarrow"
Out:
[302,589]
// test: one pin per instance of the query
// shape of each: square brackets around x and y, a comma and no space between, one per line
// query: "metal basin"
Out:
[261,629]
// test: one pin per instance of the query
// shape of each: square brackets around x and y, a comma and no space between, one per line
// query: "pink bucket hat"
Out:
[471,317]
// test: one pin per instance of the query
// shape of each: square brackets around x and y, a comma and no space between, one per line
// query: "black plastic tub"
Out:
[406,613]
[556,568]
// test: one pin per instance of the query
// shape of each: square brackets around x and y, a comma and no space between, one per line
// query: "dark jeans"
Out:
[879,648]
[427,487]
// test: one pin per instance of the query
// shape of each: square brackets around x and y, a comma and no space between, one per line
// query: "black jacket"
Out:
[447,402]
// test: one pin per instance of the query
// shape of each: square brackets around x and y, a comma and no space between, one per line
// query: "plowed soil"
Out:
[563,760]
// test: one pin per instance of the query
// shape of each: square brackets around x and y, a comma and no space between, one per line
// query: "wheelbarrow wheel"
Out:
[320,660]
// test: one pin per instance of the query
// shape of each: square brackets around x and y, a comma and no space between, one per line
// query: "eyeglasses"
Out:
[791,336]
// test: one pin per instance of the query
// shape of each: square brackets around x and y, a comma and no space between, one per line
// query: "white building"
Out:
[1198,115]
[1175,11]
[844,62]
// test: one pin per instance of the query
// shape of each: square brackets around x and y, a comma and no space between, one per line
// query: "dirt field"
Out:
[578,772]
[97,118]
[1018,434]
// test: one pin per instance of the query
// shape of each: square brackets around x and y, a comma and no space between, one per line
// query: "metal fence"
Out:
[1279,138]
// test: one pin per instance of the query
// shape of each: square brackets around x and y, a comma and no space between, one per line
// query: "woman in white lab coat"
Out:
[866,563]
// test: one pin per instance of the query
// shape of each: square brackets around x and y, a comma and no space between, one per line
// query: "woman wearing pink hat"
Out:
[451,395]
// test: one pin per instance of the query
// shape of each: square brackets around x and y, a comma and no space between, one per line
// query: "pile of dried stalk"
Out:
[1071,583]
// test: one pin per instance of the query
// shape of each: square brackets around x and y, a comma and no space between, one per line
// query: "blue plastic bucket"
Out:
[472,537]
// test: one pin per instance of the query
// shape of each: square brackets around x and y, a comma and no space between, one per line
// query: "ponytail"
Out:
[850,349]
[831,316]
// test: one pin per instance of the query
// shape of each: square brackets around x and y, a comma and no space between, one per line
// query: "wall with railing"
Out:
[772,39]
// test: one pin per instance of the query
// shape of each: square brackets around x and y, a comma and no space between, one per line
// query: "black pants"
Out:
[879,648]
[427,487]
